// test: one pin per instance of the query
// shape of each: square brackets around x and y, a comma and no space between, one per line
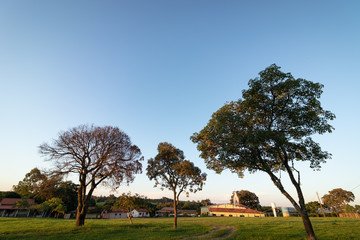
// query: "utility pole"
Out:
[274,209]
[322,209]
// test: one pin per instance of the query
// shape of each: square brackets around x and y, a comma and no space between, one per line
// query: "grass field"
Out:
[188,228]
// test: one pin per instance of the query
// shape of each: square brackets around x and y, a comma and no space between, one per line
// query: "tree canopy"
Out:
[41,186]
[268,130]
[98,155]
[246,198]
[130,202]
[53,205]
[338,199]
[170,170]
[30,186]
[313,208]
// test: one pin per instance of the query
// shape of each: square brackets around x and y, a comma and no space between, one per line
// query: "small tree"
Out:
[53,205]
[130,202]
[23,204]
[170,170]
[269,130]
[338,199]
[98,155]
[246,198]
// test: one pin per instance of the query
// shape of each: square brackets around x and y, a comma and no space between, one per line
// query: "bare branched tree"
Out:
[99,155]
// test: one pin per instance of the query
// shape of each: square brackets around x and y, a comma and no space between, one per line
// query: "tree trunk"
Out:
[300,209]
[303,212]
[175,211]
[308,226]
[80,219]
[81,208]
[129,217]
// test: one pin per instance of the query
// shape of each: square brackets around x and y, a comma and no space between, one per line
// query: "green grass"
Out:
[161,228]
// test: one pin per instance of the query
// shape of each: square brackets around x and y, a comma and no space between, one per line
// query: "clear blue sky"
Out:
[159,69]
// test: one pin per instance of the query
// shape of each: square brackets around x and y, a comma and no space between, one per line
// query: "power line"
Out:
[355,187]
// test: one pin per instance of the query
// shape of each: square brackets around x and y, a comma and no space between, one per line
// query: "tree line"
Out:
[337,201]
[53,196]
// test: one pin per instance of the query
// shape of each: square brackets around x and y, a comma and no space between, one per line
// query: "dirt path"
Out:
[218,232]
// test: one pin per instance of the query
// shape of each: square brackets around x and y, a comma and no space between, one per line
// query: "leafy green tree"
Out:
[24,203]
[54,205]
[67,192]
[30,186]
[246,198]
[269,130]
[98,155]
[187,205]
[357,208]
[206,202]
[41,186]
[313,208]
[338,199]
[130,202]
[170,170]
[111,199]
[352,209]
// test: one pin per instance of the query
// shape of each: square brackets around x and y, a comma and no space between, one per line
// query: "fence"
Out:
[349,215]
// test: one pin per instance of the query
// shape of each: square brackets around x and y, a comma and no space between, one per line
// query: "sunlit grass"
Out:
[162,228]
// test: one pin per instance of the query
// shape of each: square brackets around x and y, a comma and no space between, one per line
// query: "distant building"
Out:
[8,207]
[116,213]
[169,211]
[187,213]
[164,212]
[119,213]
[230,210]
[141,212]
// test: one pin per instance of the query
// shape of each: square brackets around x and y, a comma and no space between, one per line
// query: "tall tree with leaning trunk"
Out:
[98,155]
[170,170]
[268,130]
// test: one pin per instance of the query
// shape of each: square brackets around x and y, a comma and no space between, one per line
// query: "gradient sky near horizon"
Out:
[159,69]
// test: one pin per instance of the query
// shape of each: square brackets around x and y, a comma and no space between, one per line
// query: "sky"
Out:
[159,69]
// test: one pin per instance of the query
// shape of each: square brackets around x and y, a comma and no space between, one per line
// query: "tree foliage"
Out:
[130,202]
[246,198]
[98,155]
[9,194]
[269,130]
[30,186]
[338,199]
[170,170]
[53,205]
[42,187]
[313,208]
[24,203]
[352,209]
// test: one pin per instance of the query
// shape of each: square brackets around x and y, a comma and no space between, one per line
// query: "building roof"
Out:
[234,210]
[118,210]
[141,210]
[166,209]
[187,211]
[10,203]
[171,210]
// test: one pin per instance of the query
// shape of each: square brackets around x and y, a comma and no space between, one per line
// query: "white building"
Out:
[141,212]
